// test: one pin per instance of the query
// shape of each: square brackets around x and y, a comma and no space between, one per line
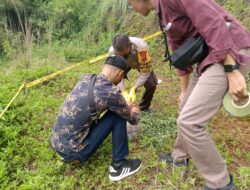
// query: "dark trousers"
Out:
[150,87]
[110,122]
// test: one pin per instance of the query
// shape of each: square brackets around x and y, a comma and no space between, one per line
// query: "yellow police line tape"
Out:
[53,75]
[5,109]
[153,35]
[96,59]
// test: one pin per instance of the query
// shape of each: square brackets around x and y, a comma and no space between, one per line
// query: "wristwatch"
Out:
[231,68]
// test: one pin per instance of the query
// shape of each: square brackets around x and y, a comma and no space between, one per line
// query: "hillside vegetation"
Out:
[39,37]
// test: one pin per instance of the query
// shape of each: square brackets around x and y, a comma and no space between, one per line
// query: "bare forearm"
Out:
[184,80]
[237,83]
[229,60]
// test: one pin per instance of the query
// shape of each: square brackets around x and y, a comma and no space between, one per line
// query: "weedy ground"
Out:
[28,162]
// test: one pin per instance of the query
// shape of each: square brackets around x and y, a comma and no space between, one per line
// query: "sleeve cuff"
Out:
[135,118]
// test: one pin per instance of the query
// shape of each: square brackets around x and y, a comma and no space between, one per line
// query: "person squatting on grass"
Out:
[79,130]
[201,96]
[136,51]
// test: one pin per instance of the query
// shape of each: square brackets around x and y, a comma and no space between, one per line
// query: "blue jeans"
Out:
[110,122]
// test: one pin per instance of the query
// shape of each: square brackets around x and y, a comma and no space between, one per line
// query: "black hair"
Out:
[120,42]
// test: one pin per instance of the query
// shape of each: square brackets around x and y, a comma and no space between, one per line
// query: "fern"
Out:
[6,48]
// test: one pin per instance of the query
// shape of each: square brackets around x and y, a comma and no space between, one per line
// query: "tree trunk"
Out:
[13,2]
[28,39]
[26,28]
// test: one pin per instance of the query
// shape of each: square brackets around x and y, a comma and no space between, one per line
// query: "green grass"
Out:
[28,162]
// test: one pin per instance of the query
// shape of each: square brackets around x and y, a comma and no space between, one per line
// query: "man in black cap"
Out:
[79,130]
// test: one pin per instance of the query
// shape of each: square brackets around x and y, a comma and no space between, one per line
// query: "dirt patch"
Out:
[235,136]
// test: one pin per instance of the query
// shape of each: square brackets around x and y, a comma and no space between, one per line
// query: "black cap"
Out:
[119,62]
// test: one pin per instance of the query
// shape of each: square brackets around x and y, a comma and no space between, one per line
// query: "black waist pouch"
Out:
[192,51]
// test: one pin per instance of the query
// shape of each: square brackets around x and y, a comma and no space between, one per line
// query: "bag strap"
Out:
[167,56]
[91,97]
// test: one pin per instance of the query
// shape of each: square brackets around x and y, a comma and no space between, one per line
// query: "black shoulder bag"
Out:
[192,51]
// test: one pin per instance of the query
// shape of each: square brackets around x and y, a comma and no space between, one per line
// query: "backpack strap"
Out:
[90,96]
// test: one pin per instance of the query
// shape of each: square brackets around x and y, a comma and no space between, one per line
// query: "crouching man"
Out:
[79,130]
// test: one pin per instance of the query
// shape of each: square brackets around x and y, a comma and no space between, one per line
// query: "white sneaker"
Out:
[127,168]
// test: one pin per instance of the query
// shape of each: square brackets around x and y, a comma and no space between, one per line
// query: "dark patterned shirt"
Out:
[73,122]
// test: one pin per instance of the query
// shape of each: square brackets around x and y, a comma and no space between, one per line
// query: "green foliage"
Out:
[244,177]
[240,9]
[80,31]
[157,129]
[6,49]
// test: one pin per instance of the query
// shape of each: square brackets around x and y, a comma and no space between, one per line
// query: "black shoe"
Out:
[170,160]
[230,186]
[127,168]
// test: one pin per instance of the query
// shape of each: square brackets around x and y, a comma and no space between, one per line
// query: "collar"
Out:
[103,77]
[134,47]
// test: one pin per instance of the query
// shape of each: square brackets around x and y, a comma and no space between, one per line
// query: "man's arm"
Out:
[115,102]
[143,59]
[184,80]
[141,80]
[145,65]
[218,38]
[237,83]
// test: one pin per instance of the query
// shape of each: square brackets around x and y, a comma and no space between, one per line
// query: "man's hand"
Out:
[132,95]
[237,86]
[237,83]
[135,109]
